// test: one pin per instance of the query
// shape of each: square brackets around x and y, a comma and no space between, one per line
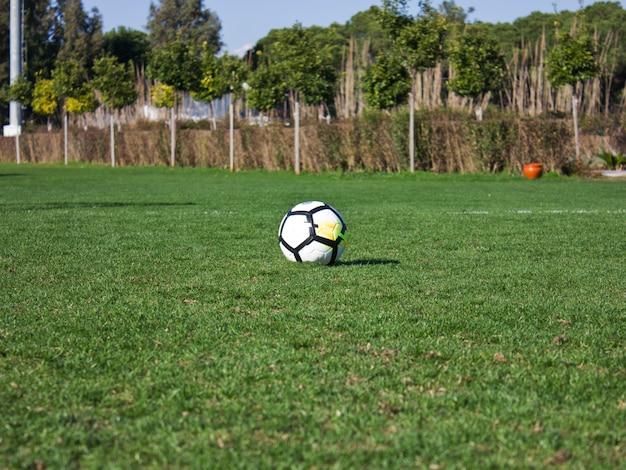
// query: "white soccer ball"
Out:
[312,232]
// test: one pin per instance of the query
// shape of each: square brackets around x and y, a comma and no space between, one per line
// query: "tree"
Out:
[571,62]
[179,66]
[305,68]
[220,76]
[75,94]
[81,34]
[83,101]
[128,45]
[478,65]
[42,36]
[45,101]
[115,82]
[386,83]
[267,88]
[454,14]
[69,77]
[162,96]
[21,90]
[365,27]
[418,42]
[183,20]
[305,63]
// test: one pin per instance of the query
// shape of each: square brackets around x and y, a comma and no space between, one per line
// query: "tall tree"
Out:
[267,88]
[81,33]
[184,20]
[453,12]
[74,91]
[305,63]
[127,45]
[220,76]
[42,36]
[386,83]
[308,75]
[116,83]
[571,62]
[178,65]
[418,41]
[365,27]
[478,65]
[45,100]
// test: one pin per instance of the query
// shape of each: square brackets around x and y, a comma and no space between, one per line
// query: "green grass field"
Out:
[149,320]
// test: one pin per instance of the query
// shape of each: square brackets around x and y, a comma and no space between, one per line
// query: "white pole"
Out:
[112,143]
[15,66]
[297,138]
[65,137]
[412,131]
[172,137]
[17,148]
[231,111]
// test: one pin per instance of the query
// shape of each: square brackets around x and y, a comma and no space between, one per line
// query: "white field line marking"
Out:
[552,211]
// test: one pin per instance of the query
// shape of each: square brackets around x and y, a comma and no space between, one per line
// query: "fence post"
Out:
[297,138]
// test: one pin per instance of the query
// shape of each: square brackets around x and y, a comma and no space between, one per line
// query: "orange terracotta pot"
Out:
[533,170]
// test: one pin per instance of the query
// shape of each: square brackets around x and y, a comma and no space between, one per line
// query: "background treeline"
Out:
[359,72]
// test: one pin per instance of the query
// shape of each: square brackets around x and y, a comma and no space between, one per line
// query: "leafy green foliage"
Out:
[418,41]
[177,64]
[184,20]
[45,99]
[366,27]
[43,35]
[477,62]
[386,83]
[421,43]
[149,320]
[128,45]
[454,13]
[69,78]
[394,17]
[21,90]
[220,75]
[613,161]
[115,81]
[163,96]
[306,66]
[572,60]
[82,34]
[82,101]
[267,88]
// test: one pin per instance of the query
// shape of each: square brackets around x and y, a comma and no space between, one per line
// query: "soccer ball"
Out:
[312,232]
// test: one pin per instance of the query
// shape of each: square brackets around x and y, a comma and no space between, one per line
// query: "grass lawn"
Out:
[148,319]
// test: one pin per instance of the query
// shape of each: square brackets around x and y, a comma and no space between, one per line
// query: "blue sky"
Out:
[244,22]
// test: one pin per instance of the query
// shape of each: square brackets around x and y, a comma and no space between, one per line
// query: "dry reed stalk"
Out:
[349,98]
